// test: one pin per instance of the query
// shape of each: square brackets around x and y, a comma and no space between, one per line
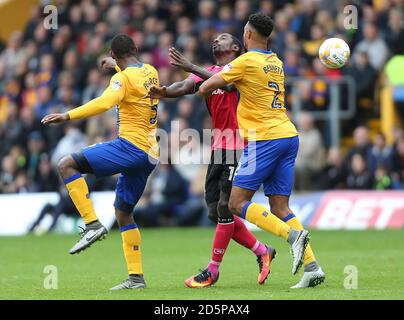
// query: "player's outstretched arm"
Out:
[92,108]
[55,118]
[177,89]
[112,96]
[179,60]
[212,84]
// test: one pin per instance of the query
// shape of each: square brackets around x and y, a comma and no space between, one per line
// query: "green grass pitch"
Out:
[171,255]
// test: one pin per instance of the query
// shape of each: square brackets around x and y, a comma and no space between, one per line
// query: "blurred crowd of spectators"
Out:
[369,164]
[44,71]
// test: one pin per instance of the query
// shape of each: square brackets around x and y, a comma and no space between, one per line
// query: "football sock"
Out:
[293,235]
[223,235]
[136,277]
[259,248]
[244,237]
[94,225]
[309,257]
[78,192]
[312,266]
[262,218]
[131,248]
[213,268]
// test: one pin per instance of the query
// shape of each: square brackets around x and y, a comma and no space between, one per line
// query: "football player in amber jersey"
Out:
[269,157]
[133,154]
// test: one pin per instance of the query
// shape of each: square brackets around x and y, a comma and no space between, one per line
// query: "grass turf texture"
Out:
[171,255]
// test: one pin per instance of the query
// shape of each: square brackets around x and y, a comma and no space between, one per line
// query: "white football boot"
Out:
[310,279]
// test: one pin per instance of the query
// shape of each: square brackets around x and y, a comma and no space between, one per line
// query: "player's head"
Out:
[226,44]
[122,46]
[258,29]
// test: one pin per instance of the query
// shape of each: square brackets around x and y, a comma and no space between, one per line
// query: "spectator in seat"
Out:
[14,53]
[362,145]
[18,153]
[29,94]
[8,175]
[44,102]
[242,9]
[11,130]
[382,178]
[47,180]
[365,77]
[360,178]
[380,154]
[36,145]
[92,89]
[29,124]
[206,10]
[310,159]
[291,63]
[394,34]
[226,21]
[374,46]
[47,75]
[333,176]
[72,142]
[279,38]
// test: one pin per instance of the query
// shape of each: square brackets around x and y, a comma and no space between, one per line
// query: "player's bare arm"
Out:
[55,118]
[108,64]
[211,85]
[180,61]
[177,89]
[106,101]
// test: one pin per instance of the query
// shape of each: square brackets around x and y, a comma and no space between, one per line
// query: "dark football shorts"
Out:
[219,177]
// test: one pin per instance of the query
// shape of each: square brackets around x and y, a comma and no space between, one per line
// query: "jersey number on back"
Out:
[275,103]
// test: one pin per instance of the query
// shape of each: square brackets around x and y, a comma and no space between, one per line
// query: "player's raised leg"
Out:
[313,274]
[79,193]
[131,244]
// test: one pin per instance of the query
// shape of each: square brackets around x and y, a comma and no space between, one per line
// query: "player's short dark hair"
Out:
[123,46]
[237,42]
[262,23]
